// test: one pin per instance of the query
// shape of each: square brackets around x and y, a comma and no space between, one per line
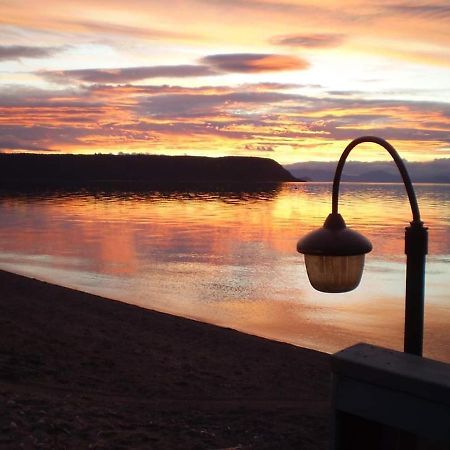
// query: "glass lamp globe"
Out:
[334,255]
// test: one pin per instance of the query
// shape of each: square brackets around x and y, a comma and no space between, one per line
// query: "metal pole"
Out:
[416,246]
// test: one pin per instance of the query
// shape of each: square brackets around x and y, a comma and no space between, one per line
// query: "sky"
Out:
[284,79]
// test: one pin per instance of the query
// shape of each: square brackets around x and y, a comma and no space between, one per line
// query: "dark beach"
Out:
[79,371]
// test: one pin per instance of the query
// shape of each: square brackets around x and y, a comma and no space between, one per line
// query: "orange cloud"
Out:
[267,120]
[253,62]
[212,66]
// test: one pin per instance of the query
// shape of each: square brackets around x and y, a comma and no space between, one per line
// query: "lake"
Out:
[228,256]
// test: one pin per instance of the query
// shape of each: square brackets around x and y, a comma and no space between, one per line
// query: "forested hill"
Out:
[66,169]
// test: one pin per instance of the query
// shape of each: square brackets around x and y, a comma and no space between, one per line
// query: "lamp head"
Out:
[334,255]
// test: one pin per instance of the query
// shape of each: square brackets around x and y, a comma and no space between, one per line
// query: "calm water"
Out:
[230,257]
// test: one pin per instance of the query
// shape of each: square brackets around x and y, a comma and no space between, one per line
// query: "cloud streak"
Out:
[17,144]
[13,52]
[254,62]
[108,28]
[127,74]
[438,10]
[212,65]
[309,40]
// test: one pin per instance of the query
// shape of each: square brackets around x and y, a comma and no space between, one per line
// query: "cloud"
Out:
[309,40]
[275,86]
[259,148]
[127,74]
[346,93]
[211,66]
[202,104]
[254,62]
[16,144]
[11,52]
[136,89]
[127,30]
[251,118]
[41,137]
[269,8]
[439,10]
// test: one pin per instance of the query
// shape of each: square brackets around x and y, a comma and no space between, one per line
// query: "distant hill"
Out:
[436,171]
[42,169]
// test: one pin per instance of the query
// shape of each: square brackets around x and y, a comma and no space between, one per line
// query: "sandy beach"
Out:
[79,371]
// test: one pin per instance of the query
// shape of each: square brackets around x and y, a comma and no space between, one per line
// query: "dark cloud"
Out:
[195,105]
[127,74]
[439,10]
[259,148]
[254,62]
[16,144]
[275,86]
[19,138]
[11,52]
[309,40]
[19,101]
[41,137]
[396,133]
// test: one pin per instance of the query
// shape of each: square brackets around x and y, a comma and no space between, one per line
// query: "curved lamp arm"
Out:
[334,240]
[416,243]
[398,161]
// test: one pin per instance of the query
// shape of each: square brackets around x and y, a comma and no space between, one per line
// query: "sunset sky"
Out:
[292,80]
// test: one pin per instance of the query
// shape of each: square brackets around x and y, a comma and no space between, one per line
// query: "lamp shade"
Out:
[334,255]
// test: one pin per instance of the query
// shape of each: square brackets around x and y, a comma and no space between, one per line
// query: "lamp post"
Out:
[334,254]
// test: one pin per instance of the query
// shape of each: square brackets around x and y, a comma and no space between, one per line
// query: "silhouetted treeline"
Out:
[38,169]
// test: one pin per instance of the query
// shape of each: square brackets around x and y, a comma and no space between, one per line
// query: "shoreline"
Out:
[81,371]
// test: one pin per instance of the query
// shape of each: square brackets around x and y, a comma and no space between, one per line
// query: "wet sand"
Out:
[79,371]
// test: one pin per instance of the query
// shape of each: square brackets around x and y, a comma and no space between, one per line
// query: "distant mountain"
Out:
[42,169]
[436,171]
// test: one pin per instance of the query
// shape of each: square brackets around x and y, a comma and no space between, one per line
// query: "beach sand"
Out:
[79,371]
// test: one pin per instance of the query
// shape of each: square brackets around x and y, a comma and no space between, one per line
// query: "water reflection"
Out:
[227,255]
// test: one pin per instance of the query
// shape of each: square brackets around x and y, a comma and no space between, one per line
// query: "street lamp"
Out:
[334,254]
